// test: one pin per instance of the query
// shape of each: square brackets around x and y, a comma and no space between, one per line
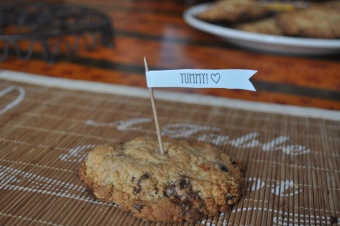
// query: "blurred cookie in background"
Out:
[263,26]
[234,11]
[320,20]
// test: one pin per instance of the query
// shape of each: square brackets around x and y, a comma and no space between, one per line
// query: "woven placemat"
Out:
[292,162]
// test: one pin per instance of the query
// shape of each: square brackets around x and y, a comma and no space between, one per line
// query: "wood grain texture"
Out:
[157,31]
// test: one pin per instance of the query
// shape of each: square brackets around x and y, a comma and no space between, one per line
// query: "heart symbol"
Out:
[215,77]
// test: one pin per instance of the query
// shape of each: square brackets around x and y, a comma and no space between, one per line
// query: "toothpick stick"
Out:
[155,113]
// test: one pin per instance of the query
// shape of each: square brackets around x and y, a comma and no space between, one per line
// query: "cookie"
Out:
[189,182]
[263,26]
[233,11]
[317,21]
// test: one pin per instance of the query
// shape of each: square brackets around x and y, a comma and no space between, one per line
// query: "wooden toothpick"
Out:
[161,149]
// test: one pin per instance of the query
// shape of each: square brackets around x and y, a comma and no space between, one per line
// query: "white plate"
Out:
[263,42]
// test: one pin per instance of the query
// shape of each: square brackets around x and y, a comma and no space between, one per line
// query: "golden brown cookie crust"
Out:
[189,182]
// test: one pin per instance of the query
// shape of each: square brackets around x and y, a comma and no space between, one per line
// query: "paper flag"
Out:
[196,78]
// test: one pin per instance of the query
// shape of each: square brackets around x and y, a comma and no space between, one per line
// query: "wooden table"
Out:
[47,125]
[156,30]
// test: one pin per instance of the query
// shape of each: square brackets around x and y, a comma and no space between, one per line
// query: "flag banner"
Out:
[201,78]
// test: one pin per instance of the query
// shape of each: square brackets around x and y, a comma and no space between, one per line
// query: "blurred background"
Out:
[106,41]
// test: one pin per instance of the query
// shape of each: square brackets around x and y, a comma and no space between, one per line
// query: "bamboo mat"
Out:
[292,162]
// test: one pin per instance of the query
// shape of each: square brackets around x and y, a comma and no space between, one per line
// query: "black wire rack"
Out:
[51,25]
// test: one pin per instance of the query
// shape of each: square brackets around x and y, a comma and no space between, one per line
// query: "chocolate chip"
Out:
[183,183]
[179,189]
[182,195]
[144,176]
[181,192]
[221,167]
[224,168]
[133,179]
[138,207]
[138,188]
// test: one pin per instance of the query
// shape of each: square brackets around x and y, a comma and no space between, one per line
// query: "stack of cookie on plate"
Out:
[316,20]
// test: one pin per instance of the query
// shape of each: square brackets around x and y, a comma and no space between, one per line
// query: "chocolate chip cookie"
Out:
[263,26]
[233,11]
[317,21]
[189,182]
